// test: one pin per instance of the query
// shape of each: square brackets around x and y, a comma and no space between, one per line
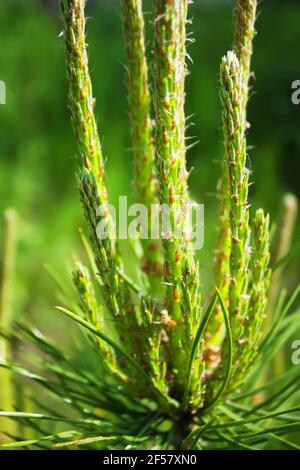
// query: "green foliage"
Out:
[95,413]
[147,378]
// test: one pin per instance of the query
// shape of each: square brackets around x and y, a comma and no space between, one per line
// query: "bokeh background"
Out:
[38,152]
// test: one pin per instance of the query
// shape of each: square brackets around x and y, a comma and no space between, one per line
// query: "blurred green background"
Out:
[38,152]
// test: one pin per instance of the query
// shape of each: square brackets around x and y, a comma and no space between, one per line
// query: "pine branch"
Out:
[244,32]
[238,175]
[142,130]
[91,175]
[245,13]
[182,300]
[90,308]
[260,281]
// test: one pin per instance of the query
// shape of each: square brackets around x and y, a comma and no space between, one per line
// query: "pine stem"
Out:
[259,285]
[238,176]
[180,271]
[91,176]
[244,31]
[142,131]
